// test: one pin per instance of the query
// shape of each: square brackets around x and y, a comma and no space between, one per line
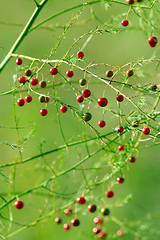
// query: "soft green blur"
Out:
[141,177]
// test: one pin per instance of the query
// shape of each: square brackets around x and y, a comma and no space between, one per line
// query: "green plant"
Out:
[49,162]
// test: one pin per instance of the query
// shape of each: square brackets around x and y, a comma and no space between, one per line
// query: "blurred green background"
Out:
[141,178]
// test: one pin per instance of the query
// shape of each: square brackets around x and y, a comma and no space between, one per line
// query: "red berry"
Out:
[152,41]
[91,207]
[119,232]
[81,200]
[120,129]
[101,123]
[80,99]
[96,230]
[42,84]
[63,109]
[69,73]
[102,102]
[109,193]
[19,61]
[80,55]
[28,98]
[153,87]
[132,159]
[75,222]
[53,71]
[66,226]
[86,93]
[20,102]
[21,79]
[124,23]
[57,220]
[43,112]
[18,204]
[119,98]
[102,234]
[146,131]
[67,211]
[120,179]
[97,220]
[120,148]
[34,81]
[28,72]
[47,99]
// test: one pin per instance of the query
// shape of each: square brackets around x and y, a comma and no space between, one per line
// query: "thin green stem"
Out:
[23,34]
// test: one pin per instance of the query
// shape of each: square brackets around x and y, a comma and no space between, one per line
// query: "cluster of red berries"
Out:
[98,221]
[42,84]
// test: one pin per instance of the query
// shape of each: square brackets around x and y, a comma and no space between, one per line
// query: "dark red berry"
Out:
[120,179]
[119,98]
[81,200]
[63,109]
[120,129]
[19,204]
[34,81]
[152,41]
[82,82]
[87,116]
[42,84]
[67,211]
[129,1]
[105,211]
[66,226]
[86,93]
[101,123]
[69,73]
[19,61]
[120,148]
[47,99]
[132,159]
[153,87]
[57,220]
[75,222]
[43,112]
[20,102]
[96,230]
[21,79]
[124,23]
[28,72]
[53,71]
[80,99]
[146,131]
[102,234]
[92,207]
[80,55]
[129,73]
[102,102]
[109,73]
[109,193]
[97,221]
[28,98]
